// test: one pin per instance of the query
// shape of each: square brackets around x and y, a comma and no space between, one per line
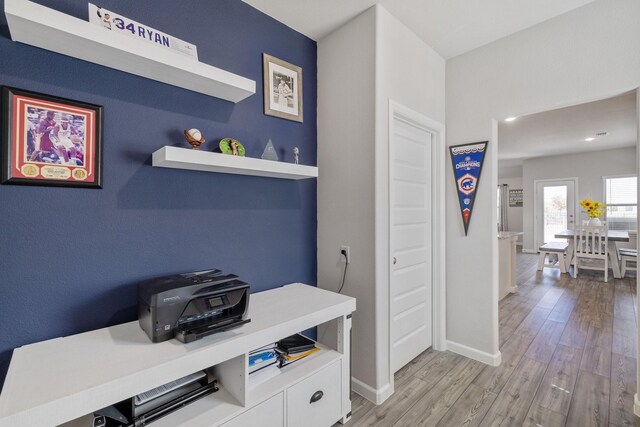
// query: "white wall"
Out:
[509,171]
[361,66]
[590,53]
[514,214]
[589,168]
[346,149]
[412,74]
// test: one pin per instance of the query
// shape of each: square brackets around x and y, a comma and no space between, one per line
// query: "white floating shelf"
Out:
[185,158]
[49,29]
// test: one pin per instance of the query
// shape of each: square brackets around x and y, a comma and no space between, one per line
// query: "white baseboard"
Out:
[475,354]
[636,405]
[370,393]
[529,251]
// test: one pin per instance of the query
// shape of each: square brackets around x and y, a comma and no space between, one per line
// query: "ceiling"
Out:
[451,27]
[563,131]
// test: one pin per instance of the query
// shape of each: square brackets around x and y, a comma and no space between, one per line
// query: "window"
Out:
[621,197]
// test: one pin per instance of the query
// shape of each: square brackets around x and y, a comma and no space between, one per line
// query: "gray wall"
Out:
[590,53]
[362,65]
[589,168]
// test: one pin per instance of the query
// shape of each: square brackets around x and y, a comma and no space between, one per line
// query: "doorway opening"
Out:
[551,162]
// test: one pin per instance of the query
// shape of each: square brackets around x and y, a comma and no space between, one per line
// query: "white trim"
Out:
[371,394]
[475,354]
[636,403]
[626,175]
[529,251]
[438,224]
[535,204]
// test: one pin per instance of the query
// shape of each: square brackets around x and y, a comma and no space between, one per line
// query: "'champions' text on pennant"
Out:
[467,162]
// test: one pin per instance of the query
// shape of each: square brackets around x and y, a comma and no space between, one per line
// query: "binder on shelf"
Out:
[288,359]
[294,348]
[262,357]
[296,344]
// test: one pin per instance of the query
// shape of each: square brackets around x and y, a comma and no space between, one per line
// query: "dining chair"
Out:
[591,249]
[629,254]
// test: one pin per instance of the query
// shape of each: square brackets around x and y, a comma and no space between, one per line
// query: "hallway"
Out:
[568,358]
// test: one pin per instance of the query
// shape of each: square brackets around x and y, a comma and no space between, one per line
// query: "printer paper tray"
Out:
[192,334]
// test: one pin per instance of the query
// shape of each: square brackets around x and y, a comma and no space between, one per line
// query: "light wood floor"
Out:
[568,358]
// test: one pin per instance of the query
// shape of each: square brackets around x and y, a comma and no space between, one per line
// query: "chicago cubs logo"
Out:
[467,184]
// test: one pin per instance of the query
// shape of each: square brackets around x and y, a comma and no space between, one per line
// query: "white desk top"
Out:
[509,234]
[65,378]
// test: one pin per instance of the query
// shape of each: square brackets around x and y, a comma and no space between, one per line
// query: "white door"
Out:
[411,243]
[555,209]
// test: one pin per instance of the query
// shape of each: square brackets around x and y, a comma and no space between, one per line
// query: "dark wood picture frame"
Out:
[293,75]
[30,157]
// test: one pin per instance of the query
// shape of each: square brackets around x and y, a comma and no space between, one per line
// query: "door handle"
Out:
[394,260]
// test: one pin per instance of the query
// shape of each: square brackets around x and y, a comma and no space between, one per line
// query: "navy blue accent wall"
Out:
[70,259]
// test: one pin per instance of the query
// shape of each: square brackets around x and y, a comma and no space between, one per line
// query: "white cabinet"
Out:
[266,414]
[113,364]
[315,401]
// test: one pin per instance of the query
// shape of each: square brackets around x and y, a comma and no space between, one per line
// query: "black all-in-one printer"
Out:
[193,305]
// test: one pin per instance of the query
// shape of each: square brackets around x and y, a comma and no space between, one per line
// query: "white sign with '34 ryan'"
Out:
[123,25]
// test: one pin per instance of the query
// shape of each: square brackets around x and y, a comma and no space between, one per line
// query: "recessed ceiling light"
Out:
[510,119]
[589,139]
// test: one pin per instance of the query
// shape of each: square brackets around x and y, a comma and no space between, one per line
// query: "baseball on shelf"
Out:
[194,137]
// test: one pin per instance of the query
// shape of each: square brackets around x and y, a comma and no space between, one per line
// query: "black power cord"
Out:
[343,252]
[344,273]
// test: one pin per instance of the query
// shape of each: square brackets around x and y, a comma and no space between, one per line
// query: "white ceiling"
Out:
[451,27]
[563,131]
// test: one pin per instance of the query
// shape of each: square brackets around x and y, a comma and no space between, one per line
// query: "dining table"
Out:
[613,236]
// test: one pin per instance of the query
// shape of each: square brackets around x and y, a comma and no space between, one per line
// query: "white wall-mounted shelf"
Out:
[64,379]
[185,158]
[49,29]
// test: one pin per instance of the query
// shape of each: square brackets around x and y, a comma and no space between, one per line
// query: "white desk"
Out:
[56,381]
[613,236]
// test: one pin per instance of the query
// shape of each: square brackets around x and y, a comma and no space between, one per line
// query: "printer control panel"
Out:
[203,307]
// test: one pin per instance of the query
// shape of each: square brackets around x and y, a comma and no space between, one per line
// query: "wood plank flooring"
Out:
[568,359]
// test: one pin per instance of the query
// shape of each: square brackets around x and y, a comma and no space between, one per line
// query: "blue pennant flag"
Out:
[467,162]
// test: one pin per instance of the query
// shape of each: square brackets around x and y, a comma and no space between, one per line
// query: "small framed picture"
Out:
[515,198]
[50,141]
[282,89]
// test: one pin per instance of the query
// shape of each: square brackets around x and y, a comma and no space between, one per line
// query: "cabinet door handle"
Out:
[316,396]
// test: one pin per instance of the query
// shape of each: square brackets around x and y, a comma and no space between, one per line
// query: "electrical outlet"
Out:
[346,249]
